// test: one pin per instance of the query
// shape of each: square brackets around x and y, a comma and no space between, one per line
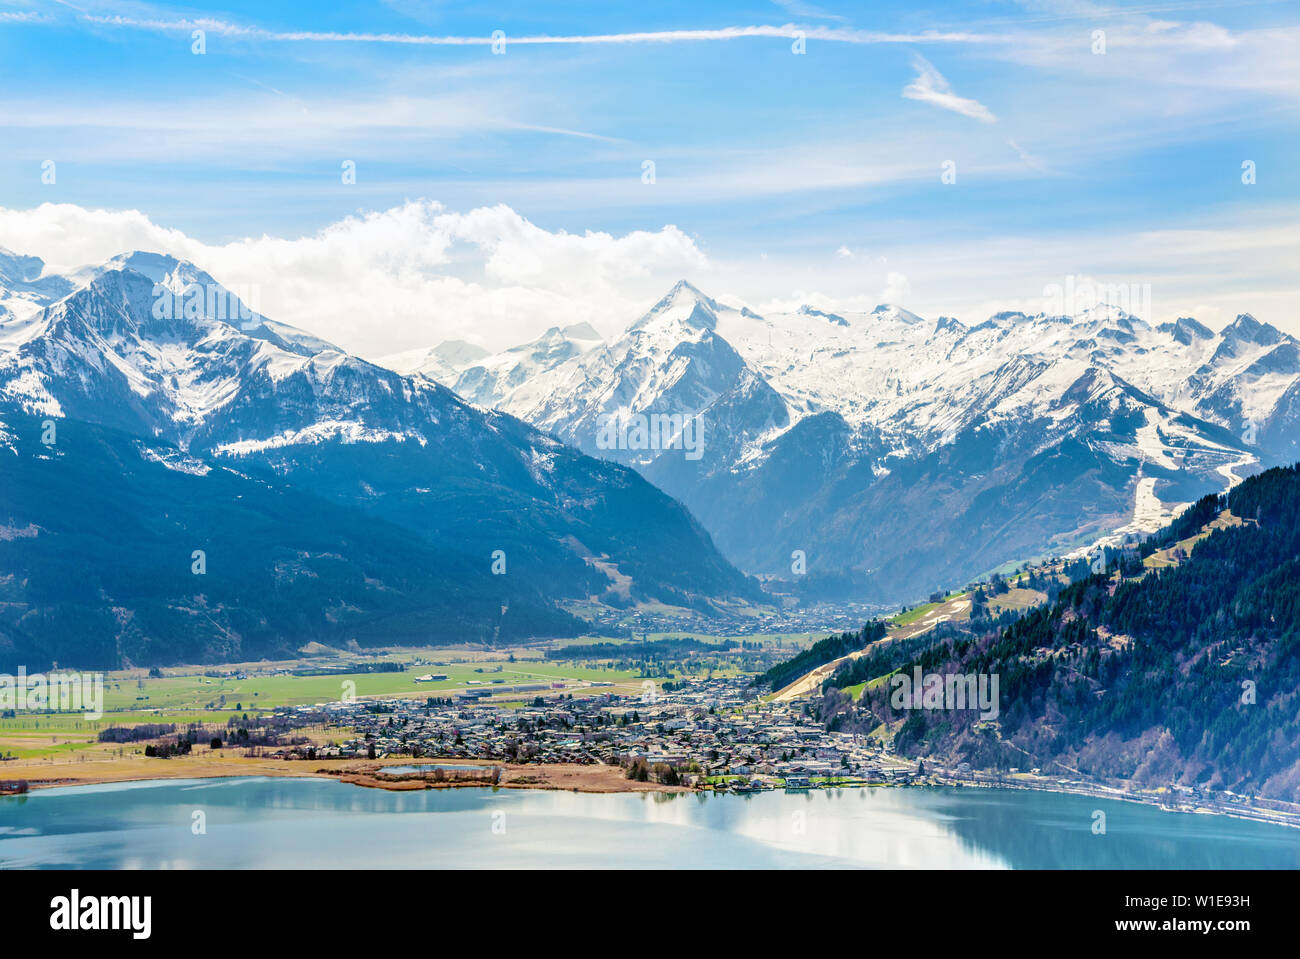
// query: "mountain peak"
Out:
[685,304]
[581,331]
[1246,327]
[18,268]
[161,269]
[1185,330]
[153,265]
[888,311]
[458,351]
[686,286]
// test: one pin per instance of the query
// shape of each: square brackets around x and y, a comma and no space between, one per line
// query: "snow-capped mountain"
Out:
[486,379]
[442,364]
[671,360]
[490,380]
[157,351]
[918,451]
[24,289]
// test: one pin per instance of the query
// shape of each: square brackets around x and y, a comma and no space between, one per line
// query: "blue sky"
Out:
[509,189]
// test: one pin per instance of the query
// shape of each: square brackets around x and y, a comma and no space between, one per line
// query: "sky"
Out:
[390,175]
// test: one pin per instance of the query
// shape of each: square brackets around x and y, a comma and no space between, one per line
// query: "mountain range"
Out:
[881,454]
[453,493]
[147,413]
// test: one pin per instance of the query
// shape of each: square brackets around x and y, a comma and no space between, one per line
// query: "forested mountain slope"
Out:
[1186,673]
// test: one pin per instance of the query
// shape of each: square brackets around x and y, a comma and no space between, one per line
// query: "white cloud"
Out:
[417,274]
[397,279]
[930,87]
[897,288]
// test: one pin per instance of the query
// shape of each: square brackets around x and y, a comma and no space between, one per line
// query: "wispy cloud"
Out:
[834,34]
[797,8]
[931,87]
[1026,157]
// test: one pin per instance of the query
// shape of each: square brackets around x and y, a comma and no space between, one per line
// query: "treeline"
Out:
[1188,523]
[642,772]
[268,731]
[379,667]
[659,649]
[134,734]
[821,653]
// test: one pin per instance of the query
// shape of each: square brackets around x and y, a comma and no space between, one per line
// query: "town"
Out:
[706,733]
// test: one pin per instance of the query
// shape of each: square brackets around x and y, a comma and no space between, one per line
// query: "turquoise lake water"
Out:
[254,823]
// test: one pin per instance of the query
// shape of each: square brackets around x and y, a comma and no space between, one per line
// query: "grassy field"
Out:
[261,692]
[31,735]
[912,615]
[855,691]
[184,695]
[132,698]
[1017,598]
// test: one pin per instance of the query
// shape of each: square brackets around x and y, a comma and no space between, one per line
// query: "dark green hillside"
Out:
[96,539]
[1147,677]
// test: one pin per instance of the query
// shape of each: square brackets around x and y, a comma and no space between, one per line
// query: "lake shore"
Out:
[564,776]
[592,778]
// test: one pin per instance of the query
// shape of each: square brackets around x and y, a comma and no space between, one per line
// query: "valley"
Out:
[511,549]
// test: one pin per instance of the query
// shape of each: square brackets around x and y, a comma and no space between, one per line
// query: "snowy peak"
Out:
[157,296]
[1248,329]
[895,314]
[459,352]
[155,346]
[442,363]
[559,344]
[672,361]
[19,270]
[24,287]
[490,380]
[158,267]
[582,332]
[683,305]
[1186,330]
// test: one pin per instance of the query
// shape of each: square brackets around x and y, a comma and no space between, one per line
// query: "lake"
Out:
[254,823]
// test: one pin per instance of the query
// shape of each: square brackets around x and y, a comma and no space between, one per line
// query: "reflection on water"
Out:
[315,823]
